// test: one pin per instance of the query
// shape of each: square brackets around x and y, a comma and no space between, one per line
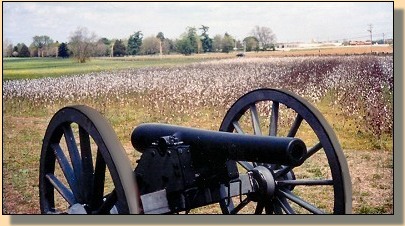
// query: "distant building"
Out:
[286,46]
[357,43]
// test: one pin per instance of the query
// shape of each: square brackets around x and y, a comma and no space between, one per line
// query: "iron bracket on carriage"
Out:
[85,169]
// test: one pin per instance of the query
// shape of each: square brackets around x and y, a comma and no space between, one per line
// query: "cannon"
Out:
[241,168]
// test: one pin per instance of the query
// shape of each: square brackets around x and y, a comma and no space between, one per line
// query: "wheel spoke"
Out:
[295,126]
[99,179]
[285,206]
[246,165]
[277,207]
[289,195]
[61,188]
[282,171]
[255,120]
[73,151]
[66,169]
[237,127]
[240,206]
[313,150]
[87,165]
[286,169]
[108,203]
[304,182]
[274,119]
[269,208]
[259,208]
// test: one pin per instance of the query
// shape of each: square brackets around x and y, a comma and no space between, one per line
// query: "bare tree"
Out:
[38,44]
[217,43]
[42,44]
[101,48]
[7,48]
[264,35]
[81,43]
[150,45]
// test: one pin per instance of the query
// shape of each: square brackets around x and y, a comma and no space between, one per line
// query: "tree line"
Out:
[83,44]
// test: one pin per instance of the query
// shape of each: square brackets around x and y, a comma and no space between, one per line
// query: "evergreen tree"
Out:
[63,50]
[119,48]
[134,43]
[160,36]
[24,51]
[205,39]
[193,39]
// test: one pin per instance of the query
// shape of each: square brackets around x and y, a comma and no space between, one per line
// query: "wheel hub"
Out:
[265,183]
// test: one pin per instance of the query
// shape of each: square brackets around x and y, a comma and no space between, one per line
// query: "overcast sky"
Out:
[290,21]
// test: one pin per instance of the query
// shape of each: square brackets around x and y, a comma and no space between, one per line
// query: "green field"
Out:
[30,68]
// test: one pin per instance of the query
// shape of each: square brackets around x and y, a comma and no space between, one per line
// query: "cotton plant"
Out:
[360,86]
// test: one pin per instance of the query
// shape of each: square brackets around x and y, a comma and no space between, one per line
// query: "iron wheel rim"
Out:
[85,177]
[342,193]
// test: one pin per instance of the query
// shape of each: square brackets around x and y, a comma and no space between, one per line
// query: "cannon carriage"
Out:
[85,170]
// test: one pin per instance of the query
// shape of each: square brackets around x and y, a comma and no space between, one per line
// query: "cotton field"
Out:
[360,86]
[355,92]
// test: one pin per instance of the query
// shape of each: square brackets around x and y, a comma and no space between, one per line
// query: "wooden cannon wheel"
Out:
[324,173]
[80,155]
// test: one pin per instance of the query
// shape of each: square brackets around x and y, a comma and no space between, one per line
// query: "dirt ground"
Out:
[344,50]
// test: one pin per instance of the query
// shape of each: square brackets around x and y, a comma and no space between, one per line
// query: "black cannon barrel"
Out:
[216,144]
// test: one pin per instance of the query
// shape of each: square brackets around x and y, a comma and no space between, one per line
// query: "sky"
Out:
[290,21]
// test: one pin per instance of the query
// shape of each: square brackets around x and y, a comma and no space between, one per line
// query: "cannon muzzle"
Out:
[216,145]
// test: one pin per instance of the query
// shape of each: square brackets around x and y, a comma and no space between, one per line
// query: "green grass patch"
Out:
[351,131]
[31,68]
[366,209]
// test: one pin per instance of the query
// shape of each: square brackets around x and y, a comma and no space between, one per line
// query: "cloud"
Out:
[289,20]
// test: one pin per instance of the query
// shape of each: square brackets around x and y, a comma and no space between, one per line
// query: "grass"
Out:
[350,134]
[366,209]
[30,68]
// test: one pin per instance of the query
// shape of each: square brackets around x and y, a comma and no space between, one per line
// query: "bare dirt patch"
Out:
[344,50]
[372,180]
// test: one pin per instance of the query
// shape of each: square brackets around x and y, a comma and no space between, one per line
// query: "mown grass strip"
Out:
[31,68]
